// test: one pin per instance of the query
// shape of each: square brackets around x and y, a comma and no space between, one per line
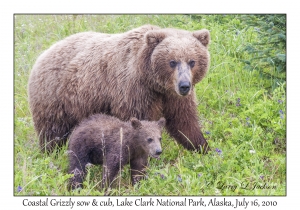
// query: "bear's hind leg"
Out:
[78,169]
[50,138]
[77,179]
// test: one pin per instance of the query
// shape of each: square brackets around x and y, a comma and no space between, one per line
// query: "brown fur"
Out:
[97,140]
[123,75]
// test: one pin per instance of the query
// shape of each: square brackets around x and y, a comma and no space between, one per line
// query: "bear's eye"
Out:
[173,63]
[149,140]
[159,139]
[192,63]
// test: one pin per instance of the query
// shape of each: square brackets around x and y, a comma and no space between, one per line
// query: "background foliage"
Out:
[242,118]
[269,51]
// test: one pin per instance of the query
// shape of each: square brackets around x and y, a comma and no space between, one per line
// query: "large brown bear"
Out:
[146,73]
[97,140]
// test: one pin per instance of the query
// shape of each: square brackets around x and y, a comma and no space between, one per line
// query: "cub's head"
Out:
[149,135]
[179,59]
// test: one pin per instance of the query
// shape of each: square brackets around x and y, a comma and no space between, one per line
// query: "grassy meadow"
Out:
[243,119]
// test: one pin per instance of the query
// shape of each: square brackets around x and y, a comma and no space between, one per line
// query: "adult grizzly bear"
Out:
[146,73]
[97,140]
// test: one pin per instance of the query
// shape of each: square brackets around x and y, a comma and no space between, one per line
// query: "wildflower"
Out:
[179,178]
[238,102]
[199,175]
[252,151]
[281,114]
[207,132]
[256,29]
[219,151]
[247,121]
[261,177]
[280,101]
[19,189]
[162,176]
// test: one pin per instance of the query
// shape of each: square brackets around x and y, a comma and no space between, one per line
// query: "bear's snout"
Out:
[184,87]
[158,152]
[183,78]
[155,153]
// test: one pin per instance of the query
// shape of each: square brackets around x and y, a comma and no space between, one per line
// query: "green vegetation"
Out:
[269,52]
[243,120]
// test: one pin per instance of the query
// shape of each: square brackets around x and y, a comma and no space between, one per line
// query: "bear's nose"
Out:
[158,152]
[184,87]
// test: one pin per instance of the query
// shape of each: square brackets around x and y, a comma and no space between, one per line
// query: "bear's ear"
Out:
[135,123]
[161,122]
[154,37]
[203,36]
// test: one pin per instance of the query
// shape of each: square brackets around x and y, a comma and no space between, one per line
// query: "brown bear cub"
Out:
[105,140]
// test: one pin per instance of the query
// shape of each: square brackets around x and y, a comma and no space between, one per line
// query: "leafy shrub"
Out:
[268,54]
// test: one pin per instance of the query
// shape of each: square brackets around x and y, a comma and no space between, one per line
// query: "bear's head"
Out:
[149,135]
[179,59]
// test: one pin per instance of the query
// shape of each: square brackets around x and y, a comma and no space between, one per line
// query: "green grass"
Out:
[239,116]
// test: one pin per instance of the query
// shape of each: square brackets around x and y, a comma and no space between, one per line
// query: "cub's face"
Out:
[152,142]
[179,60]
[149,135]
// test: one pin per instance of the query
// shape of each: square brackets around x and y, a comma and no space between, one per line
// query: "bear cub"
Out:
[105,140]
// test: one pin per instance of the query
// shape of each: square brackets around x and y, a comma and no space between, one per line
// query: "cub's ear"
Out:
[154,37]
[203,36]
[161,122]
[135,123]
